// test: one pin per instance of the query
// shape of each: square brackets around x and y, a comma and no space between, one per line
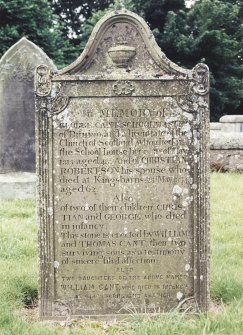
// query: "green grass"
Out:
[227,237]
[19,273]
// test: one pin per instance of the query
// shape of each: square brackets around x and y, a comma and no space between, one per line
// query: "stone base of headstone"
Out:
[20,185]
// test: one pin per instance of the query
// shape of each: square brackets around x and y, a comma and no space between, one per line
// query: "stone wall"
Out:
[226,144]
[226,160]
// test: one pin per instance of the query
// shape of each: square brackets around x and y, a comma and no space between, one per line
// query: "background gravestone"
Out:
[17,117]
[232,123]
[123,178]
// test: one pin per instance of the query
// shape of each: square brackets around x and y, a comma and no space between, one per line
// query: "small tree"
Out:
[74,14]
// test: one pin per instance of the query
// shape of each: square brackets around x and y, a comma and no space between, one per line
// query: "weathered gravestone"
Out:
[17,117]
[123,178]
[232,123]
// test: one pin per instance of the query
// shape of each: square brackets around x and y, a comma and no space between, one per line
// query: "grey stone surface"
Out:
[17,111]
[232,123]
[18,185]
[231,119]
[232,127]
[215,126]
[226,140]
[122,138]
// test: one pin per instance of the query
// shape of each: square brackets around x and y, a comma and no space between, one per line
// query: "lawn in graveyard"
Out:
[19,274]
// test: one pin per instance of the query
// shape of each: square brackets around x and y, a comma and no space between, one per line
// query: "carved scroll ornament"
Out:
[200,76]
[43,81]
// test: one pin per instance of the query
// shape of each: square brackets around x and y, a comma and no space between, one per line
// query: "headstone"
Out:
[17,117]
[232,123]
[123,178]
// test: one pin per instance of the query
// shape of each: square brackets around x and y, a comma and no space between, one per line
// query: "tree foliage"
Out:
[210,32]
[74,14]
[218,41]
[33,19]
[155,11]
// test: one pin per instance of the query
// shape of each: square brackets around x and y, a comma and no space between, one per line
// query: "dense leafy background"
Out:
[211,31]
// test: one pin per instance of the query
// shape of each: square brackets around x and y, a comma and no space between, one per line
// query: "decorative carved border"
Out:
[45,204]
[43,81]
[201,87]
[196,101]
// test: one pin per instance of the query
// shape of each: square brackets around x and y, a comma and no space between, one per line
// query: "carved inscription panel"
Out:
[123,186]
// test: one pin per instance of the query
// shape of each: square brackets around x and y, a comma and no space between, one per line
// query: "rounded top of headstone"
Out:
[24,45]
[231,119]
[122,40]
